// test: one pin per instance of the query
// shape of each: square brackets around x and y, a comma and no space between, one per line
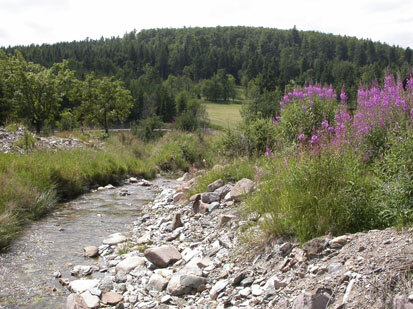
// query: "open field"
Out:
[223,115]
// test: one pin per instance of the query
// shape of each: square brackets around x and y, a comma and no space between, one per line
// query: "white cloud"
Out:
[38,21]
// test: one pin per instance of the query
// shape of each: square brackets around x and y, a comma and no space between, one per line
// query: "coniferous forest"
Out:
[156,65]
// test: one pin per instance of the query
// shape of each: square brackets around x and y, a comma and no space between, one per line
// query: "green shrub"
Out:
[394,183]
[148,129]
[312,195]
[250,139]
[26,142]
[178,151]
[304,118]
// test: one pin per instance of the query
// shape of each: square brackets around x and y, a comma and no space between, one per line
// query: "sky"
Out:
[23,22]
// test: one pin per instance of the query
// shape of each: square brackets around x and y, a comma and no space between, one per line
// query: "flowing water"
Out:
[57,242]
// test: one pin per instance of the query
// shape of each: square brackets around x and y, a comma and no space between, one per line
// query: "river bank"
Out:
[56,241]
[191,254]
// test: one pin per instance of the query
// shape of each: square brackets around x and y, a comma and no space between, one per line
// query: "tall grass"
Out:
[312,195]
[31,184]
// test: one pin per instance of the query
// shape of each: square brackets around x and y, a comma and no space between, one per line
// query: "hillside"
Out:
[280,56]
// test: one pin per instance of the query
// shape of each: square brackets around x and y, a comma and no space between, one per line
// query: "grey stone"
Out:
[157,283]
[81,270]
[120,277]
[339,241]
[75,301]
[129,264]
[311,301]
[115,239]
[217,288]
[111,298]
[215,185]
[334,268]
[223,191]
[213,206]
[315,246]
[91,300]
[163,256]
[209,197]
[106,284]
[145,238]
[91,251]
[176,221]
[285,248]
[224,219]
[256,290]
[241,188]
[193,282]
[245,292]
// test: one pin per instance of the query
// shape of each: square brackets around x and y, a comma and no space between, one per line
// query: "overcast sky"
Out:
[23,22]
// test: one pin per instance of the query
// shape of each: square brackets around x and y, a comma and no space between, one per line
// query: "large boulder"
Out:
[241,188]
[163,256]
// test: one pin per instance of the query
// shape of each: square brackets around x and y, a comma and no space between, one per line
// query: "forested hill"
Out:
[279,56]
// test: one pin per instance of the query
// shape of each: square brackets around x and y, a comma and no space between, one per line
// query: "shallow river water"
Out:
[26,270]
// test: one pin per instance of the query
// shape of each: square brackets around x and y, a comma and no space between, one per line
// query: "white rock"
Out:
[256,290]
[217,288]
[115,239]
[245,292]
[129,264]
[91,300]
[81,270]
[82,285]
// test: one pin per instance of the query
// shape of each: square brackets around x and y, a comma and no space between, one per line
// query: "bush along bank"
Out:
[343,170]
[30,185]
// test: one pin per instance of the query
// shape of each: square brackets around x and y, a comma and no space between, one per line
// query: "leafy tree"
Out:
[39,92]
[104,101]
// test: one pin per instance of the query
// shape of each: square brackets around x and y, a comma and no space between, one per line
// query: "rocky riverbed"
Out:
[190,254]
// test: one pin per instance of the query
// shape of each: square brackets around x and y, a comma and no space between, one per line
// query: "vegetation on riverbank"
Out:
[323,168]
[31,184]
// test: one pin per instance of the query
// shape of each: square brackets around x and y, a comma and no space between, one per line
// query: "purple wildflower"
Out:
[314,139]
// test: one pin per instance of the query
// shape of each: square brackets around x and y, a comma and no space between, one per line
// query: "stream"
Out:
[57,241]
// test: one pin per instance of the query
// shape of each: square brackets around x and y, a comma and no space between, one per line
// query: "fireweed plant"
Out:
[341,161]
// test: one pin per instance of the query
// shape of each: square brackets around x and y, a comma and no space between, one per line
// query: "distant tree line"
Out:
[155,65]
